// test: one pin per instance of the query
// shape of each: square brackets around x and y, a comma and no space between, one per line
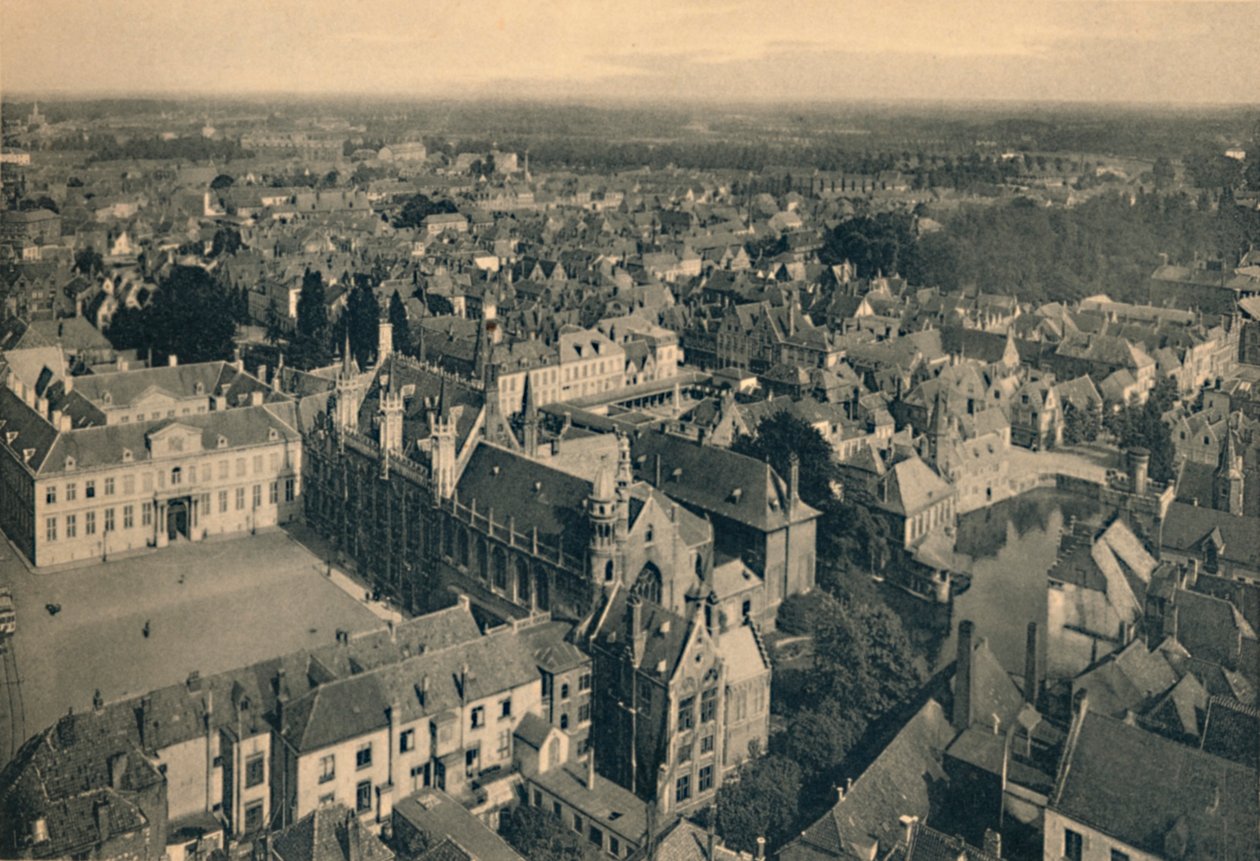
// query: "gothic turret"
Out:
[601,509]
[347,391]
[1227,483]
[391,415]
[443,452]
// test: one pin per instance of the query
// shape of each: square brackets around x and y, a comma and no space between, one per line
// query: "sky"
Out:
[1144,51]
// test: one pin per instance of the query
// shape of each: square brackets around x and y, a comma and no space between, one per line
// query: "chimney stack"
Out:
[794,477]
[172,360]
[993,842]
[590,771]
[1032,676]
[102,820]
[761,848]
[962,675]
[908,824]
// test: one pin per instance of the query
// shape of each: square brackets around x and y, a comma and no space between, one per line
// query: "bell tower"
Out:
[346,389]
[1227,489]
[602,512]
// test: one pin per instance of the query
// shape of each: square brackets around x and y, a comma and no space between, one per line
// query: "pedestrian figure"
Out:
[146,629]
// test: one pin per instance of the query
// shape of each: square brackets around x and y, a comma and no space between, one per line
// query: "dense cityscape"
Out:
[429,479]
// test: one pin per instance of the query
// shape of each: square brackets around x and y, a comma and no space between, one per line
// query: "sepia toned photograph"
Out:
[576,430]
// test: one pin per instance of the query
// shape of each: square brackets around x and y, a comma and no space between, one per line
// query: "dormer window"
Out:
[199,388]
[127,455]
[107,398]
[272,434]
[647,538]
[69,461]
[221,442]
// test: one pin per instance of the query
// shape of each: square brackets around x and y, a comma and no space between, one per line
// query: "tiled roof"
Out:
[444,820]
[1157,795]
[328,833]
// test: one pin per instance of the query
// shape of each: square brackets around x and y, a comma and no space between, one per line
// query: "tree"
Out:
[221,181]
[539,836]
[820,738]
[88,261]
[311,345]
[762,801]
[190,316]
[361,320]
[1079,425]
[863,660]
[418,207]
[275,330]
[402,327]
[1163,173]
[783,434]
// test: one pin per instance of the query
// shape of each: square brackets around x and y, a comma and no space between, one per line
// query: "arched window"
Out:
[461,546]
[522,582]
[483,561]
[542,592]
[553,753]
[564,721]
[647,538]
[648,584]
[177,475]
[448,537]
[608,571]
[500,569]
[699,566]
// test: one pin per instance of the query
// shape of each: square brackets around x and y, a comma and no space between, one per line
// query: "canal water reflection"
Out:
[1011,547]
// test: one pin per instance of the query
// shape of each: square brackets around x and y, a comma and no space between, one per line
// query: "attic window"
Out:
[676,475]
[69,461]
[736,494]
[11,437]
[221,442]
[199,388]
[107,398]
[494,470]
[537,487]
[272,434]
[127,455]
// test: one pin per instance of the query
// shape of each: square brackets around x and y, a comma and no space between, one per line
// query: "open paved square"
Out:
[210,607]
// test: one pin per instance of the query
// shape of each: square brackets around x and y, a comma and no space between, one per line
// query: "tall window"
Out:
[254,817]
[648,584]
[71,526]
[89,489]
[289,489]
[255,770]
[273,492]
[363,796]
[51,529]
[109,487]
[1073,845]
[146,514]
[89,523]
[478,717]
[257,496]
[708,705]
[706,779]
[223,504]
[109,520]
[50,495]
[682,789]
[407,740]
[129,516]
[363,757]
[240,499]
[686,713]
[327,768]
[70,492]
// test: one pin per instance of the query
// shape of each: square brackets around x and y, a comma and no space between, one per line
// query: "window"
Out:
[682,789]
[240,467]
[89,523]
[327,768]
[557,809]
[327,799]
[577,823]
[223,505]
[89,489]
[505,708]
[564,720]
[584,712]
[614,846]
[177,475]
[478,716]
[257,496]
[223,467]
[273,492]
[706,744]
[255,770]
[537,798]
[258,464]
[146,514]
[129,516]
[472,758]
[584,682]
[686,713]
[363,757]
[706,778]
[109,520]
[240,499]
[289,490]
[254,816]
[109,487]
[684,752]
[596,836]
[50,495]
[50,526]
[407,741]
[564,691]
[1117,855]
[70,492]
[146,482]
[363,796]
[708,705]
[1073,845]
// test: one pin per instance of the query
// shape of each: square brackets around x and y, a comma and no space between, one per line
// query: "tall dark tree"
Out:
[190,316]
[360,320]
[783,434]
[402,327]
[89,261]
[763,802]
[311,346]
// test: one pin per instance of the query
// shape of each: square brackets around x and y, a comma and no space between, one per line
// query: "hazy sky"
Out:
[739,50]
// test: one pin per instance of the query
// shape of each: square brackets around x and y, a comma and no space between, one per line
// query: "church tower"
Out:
[391,416]
[625,478]
[346,391]
[443,453]
[1227,483]
[601,509]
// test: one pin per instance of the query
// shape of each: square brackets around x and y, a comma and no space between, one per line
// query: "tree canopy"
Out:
[311,346]
[760,802]
[418,207]
[190,316]
[539,836]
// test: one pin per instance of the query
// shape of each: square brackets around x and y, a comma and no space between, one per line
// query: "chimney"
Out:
[761,848]
[102,820]
[67,383]
[993,842]
[172,360]
[908,824]
[794,477]
[424,690]
[256,398]
[1032,678]
[590,771]
[117,770]
[1139,463]
[262,373]
[962,675]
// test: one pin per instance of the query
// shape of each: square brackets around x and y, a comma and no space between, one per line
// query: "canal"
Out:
[1010,546]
